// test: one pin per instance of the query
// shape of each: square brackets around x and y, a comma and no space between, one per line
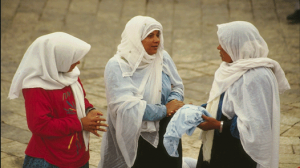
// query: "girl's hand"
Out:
[92,122]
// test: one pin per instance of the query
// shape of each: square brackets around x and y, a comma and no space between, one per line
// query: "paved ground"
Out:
[190,38]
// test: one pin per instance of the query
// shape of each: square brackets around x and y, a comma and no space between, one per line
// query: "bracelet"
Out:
[221,127]
[89,109]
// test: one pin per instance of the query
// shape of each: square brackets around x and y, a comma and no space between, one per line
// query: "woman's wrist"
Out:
[218,125]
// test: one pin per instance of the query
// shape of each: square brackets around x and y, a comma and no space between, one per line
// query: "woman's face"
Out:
[151,42]
[225,57]
[73,66]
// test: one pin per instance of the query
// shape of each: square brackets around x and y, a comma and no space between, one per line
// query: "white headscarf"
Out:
[148,66]
[133,79]
[248,50]
[46,64]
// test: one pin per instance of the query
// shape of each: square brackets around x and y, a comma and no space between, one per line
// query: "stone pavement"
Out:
[190,38]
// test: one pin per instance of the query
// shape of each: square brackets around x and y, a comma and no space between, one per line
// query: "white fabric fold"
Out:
[248,50]
[254,98]
[126,107]
[45,65]
[149,66]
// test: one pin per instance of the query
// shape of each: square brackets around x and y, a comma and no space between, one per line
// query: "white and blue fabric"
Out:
[258,112]
[133,79]
[155,112]
[185,120]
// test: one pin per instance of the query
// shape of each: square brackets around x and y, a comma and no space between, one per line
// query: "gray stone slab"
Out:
[8,9]
[289,141]
[83,7]
[284,128]
[97,101]
[192,65]
[296,149]
[14,148]
[4,155]
[35,6]
[288,165]
[98,57]
[196,95]
[94,158]
[289,158]
[15,133]
[184,19]
[101,23]
[214,2]
[92,166]
[13,65]
[95,90]
[47,27]
[189,74]
[191,145]
[58,4]
[54,14]
[14,119]
[168,41]
[5,25]
[286,149]
[91,73]
[12,162]
[5,140]
[289,119]
[240,15]
[162,11]
[293,132]
[263,4]
[189,45]
[132,8]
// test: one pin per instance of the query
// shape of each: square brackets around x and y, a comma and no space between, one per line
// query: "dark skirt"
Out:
[33,162]
[227,152]
[149,156]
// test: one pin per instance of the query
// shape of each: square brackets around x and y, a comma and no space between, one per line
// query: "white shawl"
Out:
[248,50]
[133,79]
[46,64]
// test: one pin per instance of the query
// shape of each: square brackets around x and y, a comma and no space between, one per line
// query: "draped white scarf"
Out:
[248,50]
[134,79]
[46,64]
[148,66]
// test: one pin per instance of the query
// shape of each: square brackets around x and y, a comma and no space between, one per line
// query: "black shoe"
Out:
[295,17]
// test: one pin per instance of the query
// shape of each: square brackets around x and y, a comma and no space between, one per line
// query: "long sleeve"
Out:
[175,95]
[40,117]
[154,112]
[86,102]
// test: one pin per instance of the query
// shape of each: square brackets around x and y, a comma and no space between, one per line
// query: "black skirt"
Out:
[227,151]
[150,157]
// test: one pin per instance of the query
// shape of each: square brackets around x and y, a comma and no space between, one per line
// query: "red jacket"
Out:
[56,129]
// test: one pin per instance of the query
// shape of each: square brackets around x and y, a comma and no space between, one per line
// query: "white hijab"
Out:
[133,79]
[46,64]
[248,50]
[148,66]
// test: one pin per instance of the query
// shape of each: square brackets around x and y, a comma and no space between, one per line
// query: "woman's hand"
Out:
[173,106]
[92,122]
[209,123]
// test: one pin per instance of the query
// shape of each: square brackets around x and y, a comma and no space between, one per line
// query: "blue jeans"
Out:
[32,162]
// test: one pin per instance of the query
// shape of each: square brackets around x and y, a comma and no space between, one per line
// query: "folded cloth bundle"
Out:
[185,120]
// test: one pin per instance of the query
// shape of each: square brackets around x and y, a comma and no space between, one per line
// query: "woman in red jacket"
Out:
[58,114]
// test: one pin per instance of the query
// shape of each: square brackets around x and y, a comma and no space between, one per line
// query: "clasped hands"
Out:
[92,122]
[173,106]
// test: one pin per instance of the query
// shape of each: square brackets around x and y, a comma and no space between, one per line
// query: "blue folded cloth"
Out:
[185,120]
